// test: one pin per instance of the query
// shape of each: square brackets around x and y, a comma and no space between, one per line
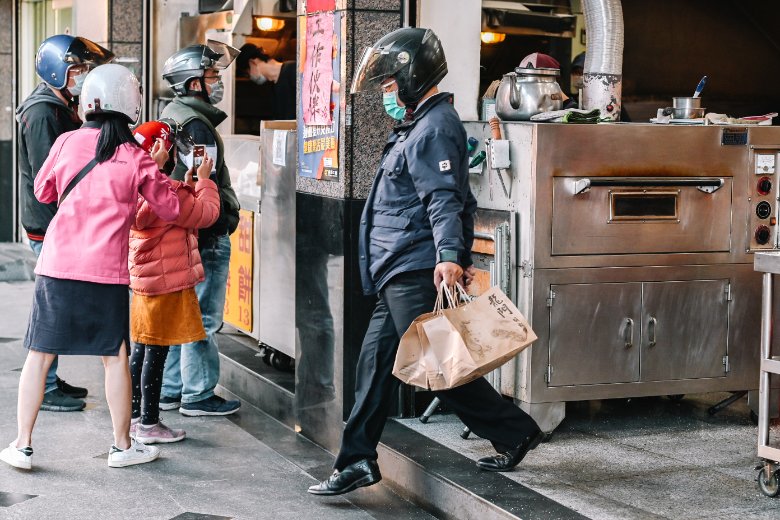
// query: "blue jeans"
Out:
[192,370]
[51,377]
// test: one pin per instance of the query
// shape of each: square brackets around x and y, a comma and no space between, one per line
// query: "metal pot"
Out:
[527,92]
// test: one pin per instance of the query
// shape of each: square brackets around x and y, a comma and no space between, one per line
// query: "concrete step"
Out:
[425,472]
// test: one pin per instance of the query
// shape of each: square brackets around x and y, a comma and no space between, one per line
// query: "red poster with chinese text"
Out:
[312,6]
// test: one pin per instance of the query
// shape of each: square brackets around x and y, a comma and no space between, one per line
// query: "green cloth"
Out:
[594,116]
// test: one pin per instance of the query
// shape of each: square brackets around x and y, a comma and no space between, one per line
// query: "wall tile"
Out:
[127,21]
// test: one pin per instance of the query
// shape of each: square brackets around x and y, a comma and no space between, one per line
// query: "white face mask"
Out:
[79,83]
[258,79]
[217,92]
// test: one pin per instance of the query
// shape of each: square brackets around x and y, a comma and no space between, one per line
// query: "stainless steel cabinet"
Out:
[633,332]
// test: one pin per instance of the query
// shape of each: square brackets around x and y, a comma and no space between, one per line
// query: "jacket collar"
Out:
[431,102]
[212,113]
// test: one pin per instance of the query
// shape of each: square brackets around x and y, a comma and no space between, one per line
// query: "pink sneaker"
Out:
[133,425]
[158,434]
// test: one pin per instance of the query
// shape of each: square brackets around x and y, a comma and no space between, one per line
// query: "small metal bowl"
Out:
[688,113]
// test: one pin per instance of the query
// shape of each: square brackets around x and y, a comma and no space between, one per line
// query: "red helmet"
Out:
[167,130]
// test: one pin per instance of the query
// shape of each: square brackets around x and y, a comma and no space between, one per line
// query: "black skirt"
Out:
[72,317]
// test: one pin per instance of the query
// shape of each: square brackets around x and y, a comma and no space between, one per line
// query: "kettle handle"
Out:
[513,101]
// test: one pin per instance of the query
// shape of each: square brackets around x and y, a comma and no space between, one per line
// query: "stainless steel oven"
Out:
[631,254]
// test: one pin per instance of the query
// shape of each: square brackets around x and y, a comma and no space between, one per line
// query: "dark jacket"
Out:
[199,119]
[420,209]
[42,118]
[284,92]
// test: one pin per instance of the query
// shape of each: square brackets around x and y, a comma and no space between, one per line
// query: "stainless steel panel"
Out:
[586,224]
[277,244]
[594,333]
[685,328]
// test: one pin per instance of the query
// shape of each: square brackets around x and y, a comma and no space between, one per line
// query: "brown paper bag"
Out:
[451,347]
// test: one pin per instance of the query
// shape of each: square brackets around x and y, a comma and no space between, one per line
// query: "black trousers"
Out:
[477,404]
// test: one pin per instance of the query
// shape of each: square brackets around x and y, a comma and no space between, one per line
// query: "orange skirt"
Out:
[166,319]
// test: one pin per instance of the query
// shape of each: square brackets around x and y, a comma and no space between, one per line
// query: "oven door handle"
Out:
[628,332]
[705,185]
[652,323]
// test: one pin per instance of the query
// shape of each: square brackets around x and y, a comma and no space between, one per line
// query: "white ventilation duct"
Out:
[603,73]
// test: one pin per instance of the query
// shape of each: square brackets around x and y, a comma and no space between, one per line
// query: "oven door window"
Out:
[643,205]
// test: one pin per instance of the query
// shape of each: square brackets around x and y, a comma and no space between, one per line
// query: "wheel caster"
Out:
[676,397]
[771,486]
[266,352]
[754,418]
[424,419]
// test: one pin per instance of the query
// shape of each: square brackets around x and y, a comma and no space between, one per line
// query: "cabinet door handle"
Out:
[652,323]
[628,332]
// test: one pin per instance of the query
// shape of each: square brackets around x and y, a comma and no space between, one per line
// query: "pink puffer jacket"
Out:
[164,256]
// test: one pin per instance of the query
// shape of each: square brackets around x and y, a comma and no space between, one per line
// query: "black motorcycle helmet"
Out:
[413,57]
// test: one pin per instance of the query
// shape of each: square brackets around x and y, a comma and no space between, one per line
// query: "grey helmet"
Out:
[193,61]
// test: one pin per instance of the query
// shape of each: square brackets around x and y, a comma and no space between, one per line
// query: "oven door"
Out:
[595,216]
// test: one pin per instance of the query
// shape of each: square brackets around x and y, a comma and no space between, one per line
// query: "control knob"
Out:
[762,235]
[764,185]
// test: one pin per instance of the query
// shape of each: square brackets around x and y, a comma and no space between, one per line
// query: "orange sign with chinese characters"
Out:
[238,298]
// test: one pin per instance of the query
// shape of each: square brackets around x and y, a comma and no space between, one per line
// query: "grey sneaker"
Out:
[137,453]
[58,401]
[214,405]
[169,403]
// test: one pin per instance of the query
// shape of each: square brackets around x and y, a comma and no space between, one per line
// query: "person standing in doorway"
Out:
[416,233]
[261,69]
[62,62]
[192,370]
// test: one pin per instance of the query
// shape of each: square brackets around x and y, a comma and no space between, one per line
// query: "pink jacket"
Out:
[88,237]
[164,256]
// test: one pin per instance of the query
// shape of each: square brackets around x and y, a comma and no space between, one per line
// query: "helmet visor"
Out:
[83,51]
[226,54]
[376,65]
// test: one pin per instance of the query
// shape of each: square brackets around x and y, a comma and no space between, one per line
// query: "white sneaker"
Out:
[137,453]
[17,457]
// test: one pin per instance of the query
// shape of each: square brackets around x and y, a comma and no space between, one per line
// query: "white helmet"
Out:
[111,89]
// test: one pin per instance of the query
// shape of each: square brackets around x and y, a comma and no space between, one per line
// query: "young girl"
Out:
[164,269]
[80,305]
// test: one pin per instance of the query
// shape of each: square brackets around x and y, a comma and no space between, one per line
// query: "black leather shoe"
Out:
[509,459]
[73,391]
[360,474]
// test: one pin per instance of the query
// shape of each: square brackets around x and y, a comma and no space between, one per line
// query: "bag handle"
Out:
[75,180]
[455,297]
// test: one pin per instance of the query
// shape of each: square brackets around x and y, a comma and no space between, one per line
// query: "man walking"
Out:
[192,370]
[62,62]
[416,232]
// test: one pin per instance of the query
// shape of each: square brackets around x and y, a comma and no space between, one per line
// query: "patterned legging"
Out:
[146,369]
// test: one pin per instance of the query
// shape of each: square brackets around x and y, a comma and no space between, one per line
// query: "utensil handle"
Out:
[700,87]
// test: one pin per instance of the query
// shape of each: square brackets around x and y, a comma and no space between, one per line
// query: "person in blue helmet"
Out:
[62,62]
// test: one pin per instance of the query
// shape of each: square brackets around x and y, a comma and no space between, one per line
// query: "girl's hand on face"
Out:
[159,153]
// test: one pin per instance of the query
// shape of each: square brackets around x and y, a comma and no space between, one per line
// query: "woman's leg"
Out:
[136,369]
[31,387]
[151,381]
[119,395]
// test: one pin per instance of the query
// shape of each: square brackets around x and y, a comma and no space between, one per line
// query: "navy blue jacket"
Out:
[420,203]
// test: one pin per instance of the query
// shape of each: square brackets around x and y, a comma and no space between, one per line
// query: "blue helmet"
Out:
[59,53]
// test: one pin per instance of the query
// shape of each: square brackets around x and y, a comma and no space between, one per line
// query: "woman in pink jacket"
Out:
[165,267]
[81,305]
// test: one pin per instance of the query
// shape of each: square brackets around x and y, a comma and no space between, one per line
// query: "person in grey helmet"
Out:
[192,370]
[62,62]
[416,233]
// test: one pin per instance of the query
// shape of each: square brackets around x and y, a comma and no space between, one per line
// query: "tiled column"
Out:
[329,212]
[7,187]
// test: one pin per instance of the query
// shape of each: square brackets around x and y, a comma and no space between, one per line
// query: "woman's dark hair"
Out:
[114,132]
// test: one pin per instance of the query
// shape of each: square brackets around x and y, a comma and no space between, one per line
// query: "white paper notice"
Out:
[280,148]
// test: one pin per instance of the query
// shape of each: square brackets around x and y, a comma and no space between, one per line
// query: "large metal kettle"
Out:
[527,92]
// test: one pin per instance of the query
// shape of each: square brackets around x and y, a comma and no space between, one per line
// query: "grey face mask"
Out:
[217,92]
[79,83]
[259,79]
